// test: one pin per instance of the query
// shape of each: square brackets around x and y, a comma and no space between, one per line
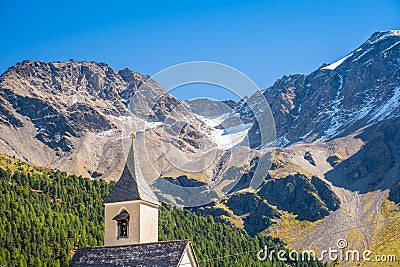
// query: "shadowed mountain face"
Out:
[376,165]
[337,128]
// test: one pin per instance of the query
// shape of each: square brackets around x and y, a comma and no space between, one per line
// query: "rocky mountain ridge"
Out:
[337,99]
[62,109]
[337,136]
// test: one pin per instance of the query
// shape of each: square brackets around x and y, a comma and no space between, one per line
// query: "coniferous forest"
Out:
[47,214]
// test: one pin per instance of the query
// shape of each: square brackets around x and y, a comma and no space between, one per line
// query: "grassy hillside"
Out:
[47,214]
[387,239]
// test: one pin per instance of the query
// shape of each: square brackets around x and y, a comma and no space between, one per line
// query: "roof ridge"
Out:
[142,244]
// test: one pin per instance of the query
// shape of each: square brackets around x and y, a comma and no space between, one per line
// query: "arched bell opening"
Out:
[122,220]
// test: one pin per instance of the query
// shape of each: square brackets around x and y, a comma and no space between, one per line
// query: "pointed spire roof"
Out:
[132,185]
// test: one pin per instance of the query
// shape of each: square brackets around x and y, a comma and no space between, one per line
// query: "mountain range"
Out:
[336,162]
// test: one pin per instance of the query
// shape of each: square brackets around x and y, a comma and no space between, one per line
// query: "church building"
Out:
[131,228]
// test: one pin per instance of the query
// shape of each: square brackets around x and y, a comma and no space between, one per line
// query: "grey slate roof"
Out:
[132,185]
[160,254]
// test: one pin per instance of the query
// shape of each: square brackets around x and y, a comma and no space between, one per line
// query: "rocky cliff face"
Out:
[71,115]
[311,198]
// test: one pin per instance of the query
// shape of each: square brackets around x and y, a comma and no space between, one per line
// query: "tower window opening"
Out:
[122,224]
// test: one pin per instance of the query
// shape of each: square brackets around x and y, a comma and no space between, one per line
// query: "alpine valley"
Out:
[334,174]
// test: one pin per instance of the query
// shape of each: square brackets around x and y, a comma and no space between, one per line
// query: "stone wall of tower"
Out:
[148,223]
[143,223]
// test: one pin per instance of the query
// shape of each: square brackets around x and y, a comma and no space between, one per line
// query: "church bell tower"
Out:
[131,208]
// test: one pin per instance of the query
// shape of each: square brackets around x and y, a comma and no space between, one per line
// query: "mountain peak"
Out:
[390,32]
[382,35]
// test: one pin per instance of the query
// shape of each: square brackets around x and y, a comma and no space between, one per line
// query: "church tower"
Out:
[131,228]
[131,208]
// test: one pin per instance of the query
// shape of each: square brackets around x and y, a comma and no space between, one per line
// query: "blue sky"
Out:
[263,39]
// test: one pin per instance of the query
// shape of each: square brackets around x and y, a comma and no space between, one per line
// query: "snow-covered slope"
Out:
[224,138]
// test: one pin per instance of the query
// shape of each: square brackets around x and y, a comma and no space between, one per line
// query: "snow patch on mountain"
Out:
[130,124]
[395,32]
[107,134]
[385,35]
[335,122]
[225,138]
[282,141]
[41,129]
[388,107]
[358,114]
[390,47]
[214,121]
[306,135]
[363,54]
[335,64]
